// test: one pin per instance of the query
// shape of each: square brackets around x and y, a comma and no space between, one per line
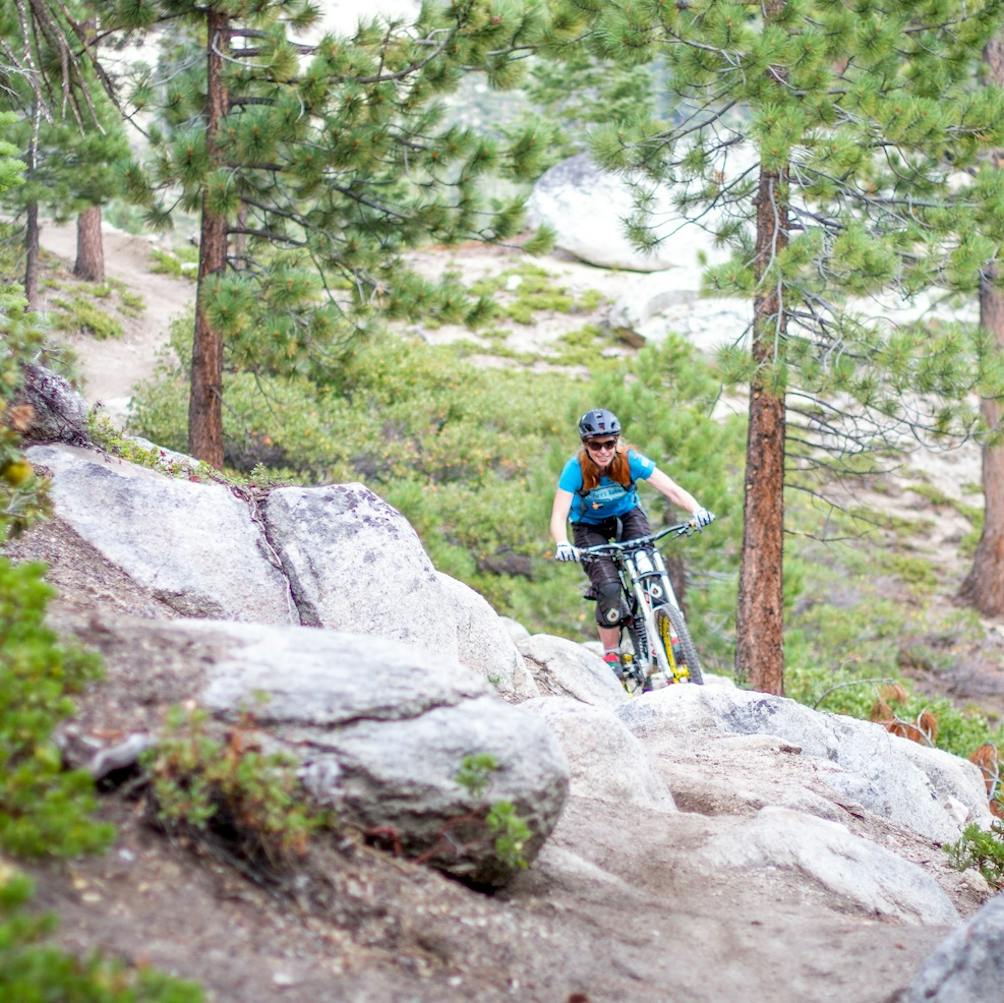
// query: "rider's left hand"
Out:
[702,517]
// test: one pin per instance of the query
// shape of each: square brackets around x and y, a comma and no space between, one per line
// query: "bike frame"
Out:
[644,579]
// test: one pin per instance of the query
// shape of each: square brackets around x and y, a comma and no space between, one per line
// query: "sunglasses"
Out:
[605,444]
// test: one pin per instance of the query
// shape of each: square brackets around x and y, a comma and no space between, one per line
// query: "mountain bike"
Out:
[659,650]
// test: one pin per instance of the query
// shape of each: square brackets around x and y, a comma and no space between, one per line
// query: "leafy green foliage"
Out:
[181,262]
[519,293]
[511,834]
[475,773]
[32,970]
[230,791]
[80,314]
[21,498]
[843,652]
[329,161]
[82,156]
[981,849]
[43,810]
[509,829]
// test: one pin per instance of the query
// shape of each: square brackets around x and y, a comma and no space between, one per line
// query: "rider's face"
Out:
[602,450]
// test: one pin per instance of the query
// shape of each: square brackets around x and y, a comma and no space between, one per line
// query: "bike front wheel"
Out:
[634,655]
[672,633]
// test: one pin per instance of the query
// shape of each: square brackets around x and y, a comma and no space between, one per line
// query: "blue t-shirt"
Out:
[608,498]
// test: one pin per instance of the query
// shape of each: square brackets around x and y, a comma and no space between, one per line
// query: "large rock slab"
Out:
[586,207]
[193,545]
[928,791]
[484,642]
[355,564]
[968,966]
[872,877]
[58,412]
[382,728]
[606,761]
[564,668]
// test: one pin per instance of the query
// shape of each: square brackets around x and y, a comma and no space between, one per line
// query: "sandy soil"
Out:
[111,368]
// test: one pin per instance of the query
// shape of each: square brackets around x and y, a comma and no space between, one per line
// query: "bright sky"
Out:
[343,15]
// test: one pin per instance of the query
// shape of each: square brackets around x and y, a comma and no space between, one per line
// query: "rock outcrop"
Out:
[193,545]
[586,207]
[857,763]
[380,729]
[564,668]
[688,831]
[968,966]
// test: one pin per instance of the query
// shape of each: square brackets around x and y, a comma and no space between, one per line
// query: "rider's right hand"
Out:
[565,552]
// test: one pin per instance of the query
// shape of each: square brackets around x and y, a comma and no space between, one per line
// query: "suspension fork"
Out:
[656,655]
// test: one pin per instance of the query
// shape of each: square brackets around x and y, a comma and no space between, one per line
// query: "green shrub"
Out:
[230,792]
[43,810]
[32,971]
[181,262]
[503,821]
[79,314]
[981,849]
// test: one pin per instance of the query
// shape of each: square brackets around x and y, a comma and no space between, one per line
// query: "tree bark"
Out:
[31,246]
[90,263]
[205,402]
[31,256]
[983,587]
[760,610]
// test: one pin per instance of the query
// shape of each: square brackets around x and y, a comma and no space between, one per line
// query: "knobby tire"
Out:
[686,644]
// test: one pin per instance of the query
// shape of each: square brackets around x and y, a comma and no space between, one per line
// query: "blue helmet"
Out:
[599,421]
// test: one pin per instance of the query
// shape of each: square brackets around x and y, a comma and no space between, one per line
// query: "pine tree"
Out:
[984,585]
[313,166]
[71,137]
[860,117]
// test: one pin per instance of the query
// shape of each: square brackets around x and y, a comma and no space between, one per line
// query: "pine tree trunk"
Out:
[205,403]
[984,585]
[90,263]
[31,256]
[759,615]
[31,247]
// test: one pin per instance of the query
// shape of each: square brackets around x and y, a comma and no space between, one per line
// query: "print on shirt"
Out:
[608,499]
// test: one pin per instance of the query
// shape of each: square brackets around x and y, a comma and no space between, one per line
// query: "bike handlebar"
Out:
[618,547]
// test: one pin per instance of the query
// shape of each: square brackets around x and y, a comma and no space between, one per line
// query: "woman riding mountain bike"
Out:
[597,491]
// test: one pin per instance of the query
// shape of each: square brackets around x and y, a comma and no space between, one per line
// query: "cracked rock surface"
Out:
[192,545]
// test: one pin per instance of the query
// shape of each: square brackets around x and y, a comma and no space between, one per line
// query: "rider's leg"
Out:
[606,587]
[610,638]
[634,524]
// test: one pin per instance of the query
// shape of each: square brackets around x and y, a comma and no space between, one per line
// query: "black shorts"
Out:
[633,525]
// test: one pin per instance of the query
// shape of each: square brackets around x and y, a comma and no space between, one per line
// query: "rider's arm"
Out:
[665,485]
[559,515]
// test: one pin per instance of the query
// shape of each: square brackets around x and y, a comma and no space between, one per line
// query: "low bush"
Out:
[507,826]
[230,792]
[43,809]
[981,849]
[79,314]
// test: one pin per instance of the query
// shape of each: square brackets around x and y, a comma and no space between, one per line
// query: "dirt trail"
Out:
[111,368]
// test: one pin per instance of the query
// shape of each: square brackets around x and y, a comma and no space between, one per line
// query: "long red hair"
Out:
[620,469]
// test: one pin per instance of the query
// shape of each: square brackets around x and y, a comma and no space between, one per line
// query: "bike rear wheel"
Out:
[682,655]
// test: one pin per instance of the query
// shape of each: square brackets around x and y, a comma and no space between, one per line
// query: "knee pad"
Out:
[608,604]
